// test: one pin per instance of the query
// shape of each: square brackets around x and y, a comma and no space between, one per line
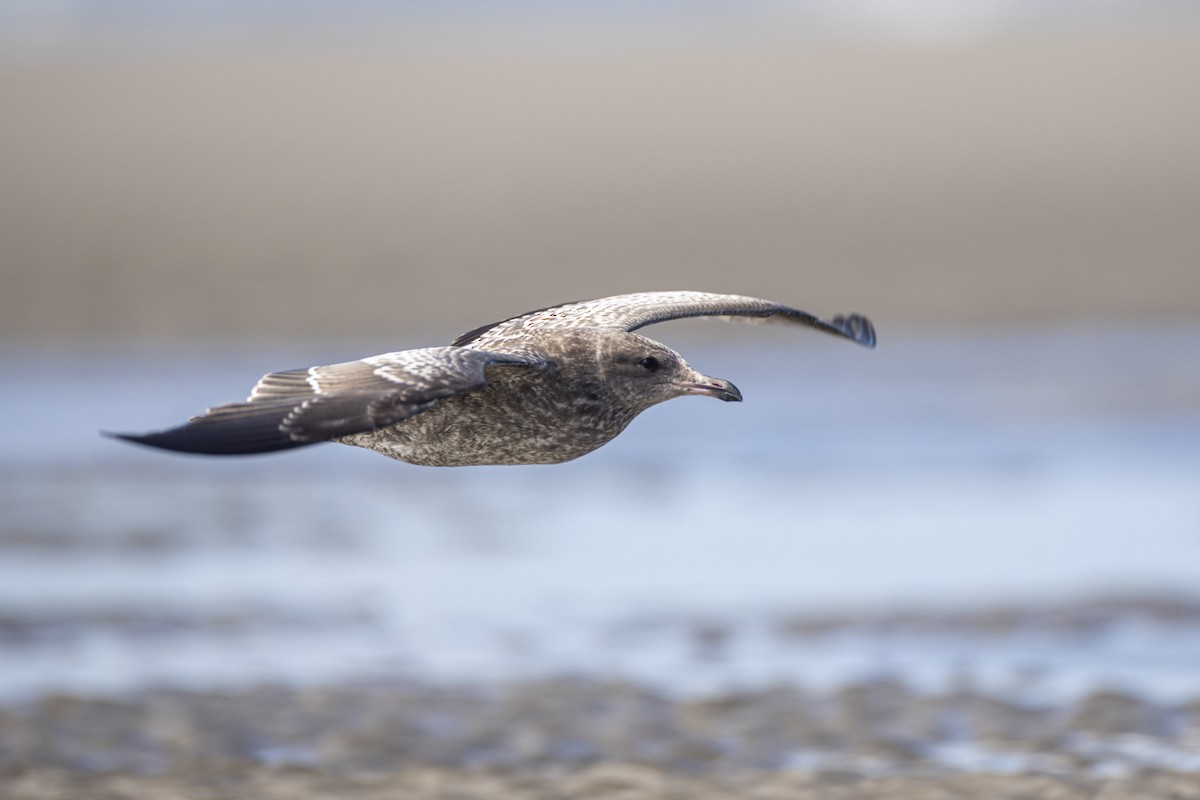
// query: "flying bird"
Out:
[544,387]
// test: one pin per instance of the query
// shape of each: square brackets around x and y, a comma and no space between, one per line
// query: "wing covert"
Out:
[305,406]
[632,311]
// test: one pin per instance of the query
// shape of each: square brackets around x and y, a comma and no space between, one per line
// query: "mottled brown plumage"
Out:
[541,388]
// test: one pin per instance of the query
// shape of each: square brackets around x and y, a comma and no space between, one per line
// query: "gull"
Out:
[544,387]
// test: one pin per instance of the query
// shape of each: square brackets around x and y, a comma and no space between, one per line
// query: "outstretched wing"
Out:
[632,311]
[305,406]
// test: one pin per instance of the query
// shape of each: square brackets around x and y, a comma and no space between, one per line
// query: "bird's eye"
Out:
[649,363]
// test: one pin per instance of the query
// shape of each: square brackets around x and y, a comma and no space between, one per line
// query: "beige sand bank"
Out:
[364,192]
[617,780]
[574,738]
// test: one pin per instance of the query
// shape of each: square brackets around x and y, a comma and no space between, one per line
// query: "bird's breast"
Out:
[521,421]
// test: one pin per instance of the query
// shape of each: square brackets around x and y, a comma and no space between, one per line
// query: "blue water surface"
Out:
[939,472]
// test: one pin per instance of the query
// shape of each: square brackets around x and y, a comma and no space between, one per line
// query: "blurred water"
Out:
[937,473]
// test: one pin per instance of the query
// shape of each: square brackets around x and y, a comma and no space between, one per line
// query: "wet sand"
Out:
[608,737]
[580,738]
[616,780]
[626,781]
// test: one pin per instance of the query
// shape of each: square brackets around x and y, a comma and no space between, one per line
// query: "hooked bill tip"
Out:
[715,387]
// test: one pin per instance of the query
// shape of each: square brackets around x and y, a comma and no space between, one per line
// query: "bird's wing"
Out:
[632,311]
[305,406]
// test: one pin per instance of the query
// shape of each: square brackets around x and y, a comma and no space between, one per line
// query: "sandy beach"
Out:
[427,184]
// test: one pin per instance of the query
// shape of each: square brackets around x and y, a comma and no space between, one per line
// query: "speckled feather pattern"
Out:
[628,312]
[544,387]
[519,417]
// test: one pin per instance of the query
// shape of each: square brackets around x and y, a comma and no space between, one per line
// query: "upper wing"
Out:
[305,406]
[633,311]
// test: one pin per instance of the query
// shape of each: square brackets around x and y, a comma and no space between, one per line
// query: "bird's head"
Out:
[632,370]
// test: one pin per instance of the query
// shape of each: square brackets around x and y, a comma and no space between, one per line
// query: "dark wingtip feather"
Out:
[146,439]
[192,438]
[856,327]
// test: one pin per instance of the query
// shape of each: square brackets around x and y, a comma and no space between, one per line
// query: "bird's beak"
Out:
[713,387]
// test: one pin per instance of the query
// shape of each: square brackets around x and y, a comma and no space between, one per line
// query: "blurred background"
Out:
[1004,496]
